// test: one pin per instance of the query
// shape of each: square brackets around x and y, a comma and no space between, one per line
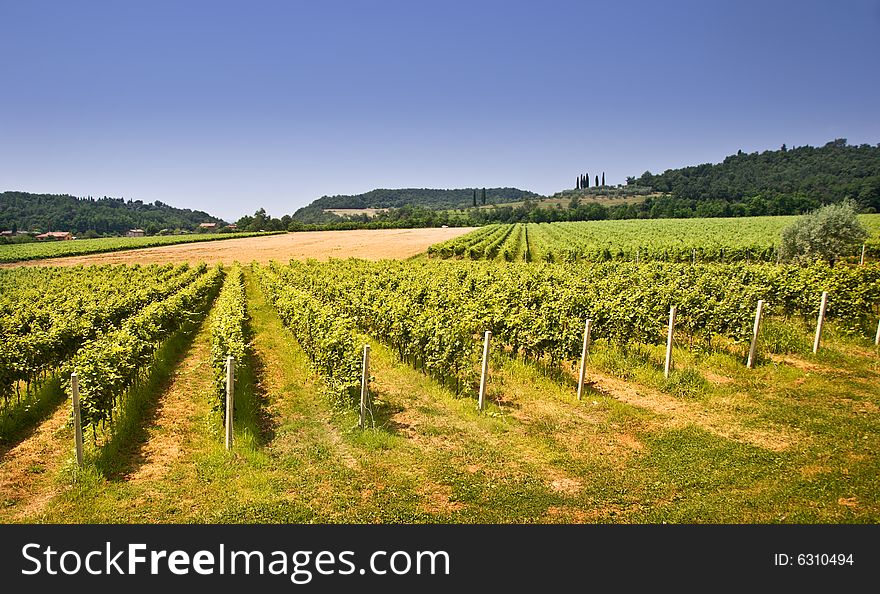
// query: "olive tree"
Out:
[828,233]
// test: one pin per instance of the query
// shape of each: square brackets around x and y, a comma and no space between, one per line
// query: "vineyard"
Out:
[432,313]
[105,323]
[751,239]
[150,345]
[107,367]
[47,315]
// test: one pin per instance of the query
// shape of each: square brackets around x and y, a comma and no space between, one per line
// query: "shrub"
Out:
[826,234]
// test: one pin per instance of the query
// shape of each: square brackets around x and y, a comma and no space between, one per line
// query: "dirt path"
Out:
[171,426]
[28,471]
[370,244]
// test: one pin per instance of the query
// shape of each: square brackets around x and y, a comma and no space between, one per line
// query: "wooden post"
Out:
[583,370]
[485,375]
[230,395]
[77,418]
[365,385]
[637,255]
[672,311]
[877,338]
[694,258]
[754,345]
[862,259]
[820,322]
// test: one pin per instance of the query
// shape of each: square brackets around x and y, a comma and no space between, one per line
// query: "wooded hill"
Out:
[433,199]
[23,211]
[773,182]
[784,180]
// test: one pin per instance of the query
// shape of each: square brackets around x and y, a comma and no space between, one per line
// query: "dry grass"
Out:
[677,413]
[369,244]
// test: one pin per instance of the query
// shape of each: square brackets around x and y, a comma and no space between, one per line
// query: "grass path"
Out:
[170,427]
[28,470]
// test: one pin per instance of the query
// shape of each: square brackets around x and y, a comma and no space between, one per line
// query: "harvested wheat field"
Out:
[369,244]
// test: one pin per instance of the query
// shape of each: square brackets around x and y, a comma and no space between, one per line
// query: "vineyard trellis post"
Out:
[668,365]
[753,347]
[862,259]
[77,418]
[583,368]
[484,376]
[820,322]
[230,394]
[694,257]
[877,337]
[365,383]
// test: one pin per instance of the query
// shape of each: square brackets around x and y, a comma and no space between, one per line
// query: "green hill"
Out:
[61,212]
[433,199]
[774,182]
[784,181]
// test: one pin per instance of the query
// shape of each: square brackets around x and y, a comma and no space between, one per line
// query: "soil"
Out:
[369,244]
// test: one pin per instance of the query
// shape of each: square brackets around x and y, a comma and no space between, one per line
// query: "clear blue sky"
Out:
[229,106]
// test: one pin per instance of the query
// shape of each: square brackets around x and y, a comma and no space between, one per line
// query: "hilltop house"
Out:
[134,233]
[55,236]
[208,226]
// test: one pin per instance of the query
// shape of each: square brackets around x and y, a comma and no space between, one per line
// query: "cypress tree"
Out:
[597,181]
[484,195]
[603,179]
[577,185]
[475,196]
[586,180]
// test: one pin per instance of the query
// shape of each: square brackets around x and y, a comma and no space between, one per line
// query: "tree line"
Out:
[583,181]
[784,178]
[23,211]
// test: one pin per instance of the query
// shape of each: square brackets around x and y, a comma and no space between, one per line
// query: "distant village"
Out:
[68,236]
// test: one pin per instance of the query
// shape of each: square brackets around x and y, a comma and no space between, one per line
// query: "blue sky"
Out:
[229,106]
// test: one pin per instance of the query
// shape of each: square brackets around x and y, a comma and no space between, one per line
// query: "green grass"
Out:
[55,249]
[119,448]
